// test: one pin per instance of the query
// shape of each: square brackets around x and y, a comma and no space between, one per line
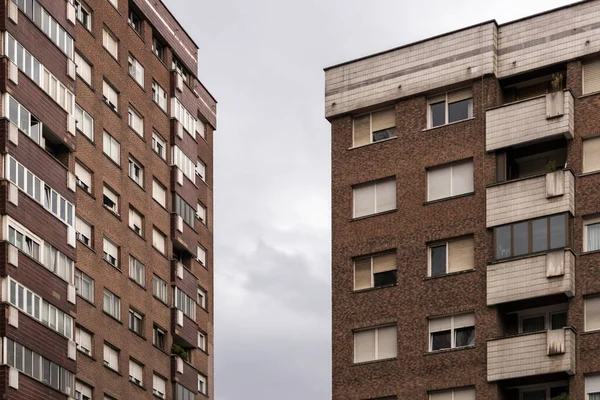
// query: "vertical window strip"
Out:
[182,115]
[184,163]
[23,119]
[184,303]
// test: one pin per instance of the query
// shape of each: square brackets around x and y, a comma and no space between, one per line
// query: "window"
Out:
[136,321]
[201,213]
[25,242]
[533,236]
[136,172]
[159,241]
[543,318]
[136,71]
[373,127]
[84,177]
[84,122]
[201,255]
[184,163]
[160,289]
[110,95]
[375,344]
[592,313]
[158,48]
[375,271]
[202,384]
[184,117]
[184,303]
[450,107]
[180,69]
[110,200]
[591,234]
[374,197]
[136,122]
[201,297]
[112,304]
[159,193]
[591,153]
[592,387]
[451,332]
[136,372]
[543,393]
[111,253]
[84,341]
[159,145]
[84,231]
[450,180]
[201,341]
[134,20]
[159,386]
[84,14]
[159,95]
[111,148]
[111,357]
[201,169]
[82,391]
[184,210]
[451,256]
[110,43]
[454,394]
[84,69]
[137,271]
[23,119]
[591,77]
[183,393]
[84,285]
[159,337]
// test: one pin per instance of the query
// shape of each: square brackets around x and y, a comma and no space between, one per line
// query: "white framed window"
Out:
[159,95]
[542,318]
[110,43]
[450,107]
[136,321]
[159,241]
[450,180]
[374,197]
[184,163]
[136,70]
[84,341]
[454,394]
[591,76]
[136,121]
[201,213]
[136,372]
[201,341]
[591,153]
[111,357]
[202,384]
[160,289]
[82,391]
[159,193]
[135,20]
[159,386]
[184,117]
[136,172]
[592,387]
[201,255]
[110,95]
[374,127]
[84,122]
[84,14]
[159,145]
[137,271]
[22,118]
[375,271]
[451,332]
[83,231]
[84,69]
[184,303]
[111,253]
[84,285]
[592,313]
[112,304]
[159,337]
[201,297]
[110,200]
[136,221]
[84,177]
[158,48]
[591,233]
[111,147]
[375,344]
[451,256]
[51,28]
[201,170]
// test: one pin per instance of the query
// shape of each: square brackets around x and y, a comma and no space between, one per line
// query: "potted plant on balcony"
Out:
[555,99]
[554,180]
[562,396]
[179,351]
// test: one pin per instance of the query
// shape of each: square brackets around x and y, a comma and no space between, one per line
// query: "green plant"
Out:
[557,81]
[179,351]
[563,396]
[551,166]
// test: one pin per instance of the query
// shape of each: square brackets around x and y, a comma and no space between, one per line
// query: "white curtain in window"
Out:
[364,345]
[386,343]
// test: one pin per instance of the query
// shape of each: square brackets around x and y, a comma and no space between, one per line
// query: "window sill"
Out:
[449,124]
[112,370]
[86,300]
[111,212]
[86,355]
[589,253]
[373,215]
[526,256]
[89,139]
[87,246]
[445,351]
[373,143]
[450,274]
[86,83]
[115,267]
[375,288]
[139,386]
[160,300]
[161,350]
[139,235]
[117,164]
[583,96]
[374,361]
[138,335]
[116,111]
[458,196]
[111,317]
[83,190]
[138,284]
[590,173]
[160,252]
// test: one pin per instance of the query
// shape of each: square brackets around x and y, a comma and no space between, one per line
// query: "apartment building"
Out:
[466,214]
[106,203]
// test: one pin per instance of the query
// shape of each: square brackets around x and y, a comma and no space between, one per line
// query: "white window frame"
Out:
[201,254]
[84,231]
[376,329]
[82,391]
[84,122]
[159,386]
[159,96]
[160,288]
[110,96]
[201,300]
[201,211]
[374,184]
[84,177]
[586,302]
[156,236]
[111,147]
[202,384]
[136,318]
[136,372]
[135,219]
[201,341]
[452,331]
[110,43]
[201,170]
[114,304]
[136,70]
[113,197]
[81,9]
[159,193]
[432,395]
[110,252]
[82,278]
[135,121]
[157,141]
[84,69]
[451,166]
[438,99]
[84,341]
[137,271]
[135,168]
[587,221]
[111,357]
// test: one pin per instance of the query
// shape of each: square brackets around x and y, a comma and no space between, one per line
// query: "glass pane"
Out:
[593,236]
[536,395]
[440,340]
[557,391]
[437,114]
[384,278]
[558,231]
[384,134]
[520,238]
[465,336]
[502,242]
[438,260]
[559,320]
[460,110]
[534,324]
[539,233]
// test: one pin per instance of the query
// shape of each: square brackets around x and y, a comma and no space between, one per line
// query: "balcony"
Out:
[529,198]
[539,118]
[525,278]
[539,353]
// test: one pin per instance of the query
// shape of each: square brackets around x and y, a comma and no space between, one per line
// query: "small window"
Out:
[450,107]
[201,170]
[134,20]
[159,241]
[110,43]
[136,321]
[201,300]
[202,384]
[201,213]
[111,253]
[111,357]
[159,386]
[137,271]
[136,121]
[374,127]
[159,337]
[592,313]
[374,197]
[591,154]
[375,344]
[84,69]
[84,177]
[592,387]
[110,200]
[591,234]
[136,70]
[110,96]
[160,289]
[158,48]
[84,14]
[111,147]
[84,122]
[159,193]
[159,95]
[451,332]
[136,172]
[82,391]
[451,256]
[591,77]
[450,180]
[84,341]
[83,231]
[84,285]
[112,304]
[201,255]
[201,341]
[455,394]
[159,145]
[375,271]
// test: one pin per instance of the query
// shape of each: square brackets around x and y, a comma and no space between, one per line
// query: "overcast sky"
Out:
[263,60]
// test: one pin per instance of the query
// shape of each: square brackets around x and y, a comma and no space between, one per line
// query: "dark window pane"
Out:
[384,134]
[557,391]
[558,231]
[438,113]
[536,395]
[460,110]
[384,278]
[440,340]
[540,234]
[559,320]
[465,336]
[534,324]
[520,238]
[502,242]
[438,260]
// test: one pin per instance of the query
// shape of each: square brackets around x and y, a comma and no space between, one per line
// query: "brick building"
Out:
[106,203]
[466,214]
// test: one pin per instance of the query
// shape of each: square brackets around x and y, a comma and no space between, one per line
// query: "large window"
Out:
[137,271]
[84,341]
[23,119]
[450,107]
[374,197]
[84,285]
[112,304]
[450,180]
[183,393]
[159,95]
[591,77]
[592,313]
[454,394]
[136,70]
[184,303]
[110,95]
[84,69]
[375,344]
[543,318]
[184,210]
[451,256]
[110,43]
[160,289]
[373,127]
[591,234]
[375,271]
[451,332]
[111,357]
[84,122]
[111,253]
[591,155]
[528,237]
[111,147]
[184,163]
[184,117]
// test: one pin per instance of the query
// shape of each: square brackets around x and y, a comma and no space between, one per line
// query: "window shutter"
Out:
[386,195]
[464,320]
[464,394]
[436,99]
[110,248]
[387,343]
[384,119]
[83,174]
[462,178]
[384,263]
[83,228]
[364,200]
[591,77]
[440,324]
[111,195]
[438,182]
[362,130]
[362,273]
[460,255]
[459,95]
[591,154]
[592,314]
[447,395]
[592,384]
[364,345]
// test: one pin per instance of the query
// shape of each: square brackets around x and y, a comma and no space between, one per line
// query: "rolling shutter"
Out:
[591,77]
[460,255]
[362,273]
[384,263]
[459,95]
[362,130]
[384,119]
[591,154]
